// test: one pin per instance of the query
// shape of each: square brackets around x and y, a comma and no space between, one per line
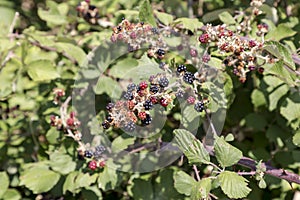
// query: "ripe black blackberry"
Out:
[181,68]
[131,87]
[199,106]
[189,77]
[99,151]
[129,127]
[148,104]
[154,89]
[163,82]
[88,154]
[128,95]
[109,118]
[106,124]
[155,31]
[147,120]
[161,65]
[109,106]
[160,52]
[180,94]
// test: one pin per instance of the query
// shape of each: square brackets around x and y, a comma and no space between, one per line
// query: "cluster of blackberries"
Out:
[90,13]
[139,100]
[188,77]
[97,153]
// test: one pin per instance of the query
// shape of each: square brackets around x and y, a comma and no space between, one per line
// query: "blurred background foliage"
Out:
[36,162]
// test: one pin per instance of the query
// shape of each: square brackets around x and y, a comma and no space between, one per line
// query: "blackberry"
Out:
[160,52]
[131,87]
[161,65]
[163,82]
[181,68]
[88,154]
[189,77]
[143,85]
[99,150]
[199,106]
[128,95]
[148,104]
[180,94]
[93,165]
[109,106]
[109,118]
[129,127]
[155,30]
[106,124]
[154,89]
[147,120]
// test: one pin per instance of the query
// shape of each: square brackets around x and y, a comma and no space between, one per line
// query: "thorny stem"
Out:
[196,172]
[251,164]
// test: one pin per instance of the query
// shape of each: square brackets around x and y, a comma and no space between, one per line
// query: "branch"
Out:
[251,164]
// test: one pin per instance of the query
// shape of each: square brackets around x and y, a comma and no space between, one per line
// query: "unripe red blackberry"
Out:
[193,52]
[102,163]
[93,165]
[204,38]
[164,102]
[143,85]
[70,122]
[142,115]
[191,100]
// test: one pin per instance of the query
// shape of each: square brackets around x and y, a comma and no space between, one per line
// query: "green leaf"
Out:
[4,180]
[279,70]
[121,143]
[233,185]
[39,179]
[290,110]
[146,13]
[62,163]
[201,189]
[12,194]
[183,183]
[6,15]
[52,16]
[109,86]
[296,138]
[229,137]
[262,184]
[92,193]
[164,186]
[165,18]
[188,23]
[226,154]
[256,121]
[122,68]
[42,70]
[280,32]
[141,189]
[227,18]
[75,181]
[108,179]
[192,148]
[258,99]
[281,52]
[73,51]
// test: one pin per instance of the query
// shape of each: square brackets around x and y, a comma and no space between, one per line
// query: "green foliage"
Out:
[226,154]
[48,46]
[233,185]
